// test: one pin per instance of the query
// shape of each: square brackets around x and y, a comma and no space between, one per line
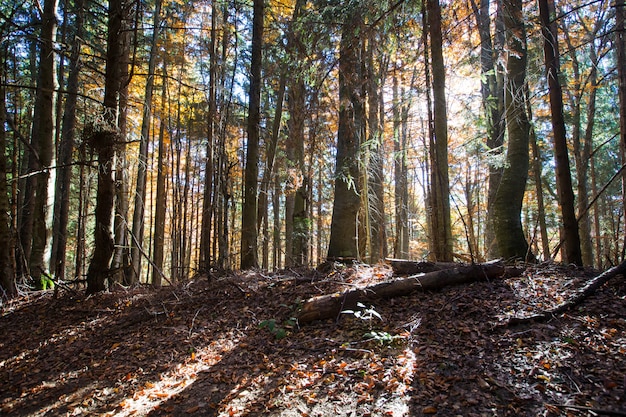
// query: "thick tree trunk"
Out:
[158,236]
[331,306]
[401,246]
[620,45]
[565,191]
[508,203]
[249,232]
[343,229]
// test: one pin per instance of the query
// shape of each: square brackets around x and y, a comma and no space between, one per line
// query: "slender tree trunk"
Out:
[249,232]
[343,228]
[209,195]
[401,249]
[161,198]
[8,288]
[376,197]
[137,239]
[563,174]
[620,45]
[440,183]
[508,203]
[103,141]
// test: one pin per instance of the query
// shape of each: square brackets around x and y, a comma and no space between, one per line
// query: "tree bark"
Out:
[401,246]
[8,287]
[563,174]
[43,136]
[508,203]
[103,142]
[158,236]
[138,228]
[620,45]
[441,228]
[343,229]
[331,305]
[249,231]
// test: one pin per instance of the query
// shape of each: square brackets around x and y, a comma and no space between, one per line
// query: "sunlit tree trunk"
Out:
[103,141]
[43,139]
[565,191]
[508,203]
[440,184]
[66,147]
[137,239]
[249,232]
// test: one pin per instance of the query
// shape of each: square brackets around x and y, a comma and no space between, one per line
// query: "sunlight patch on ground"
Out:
[173,382]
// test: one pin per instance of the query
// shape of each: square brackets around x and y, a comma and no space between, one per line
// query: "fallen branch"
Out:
[578,298]
[331,305]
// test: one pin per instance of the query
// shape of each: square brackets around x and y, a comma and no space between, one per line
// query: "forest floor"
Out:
[228,347]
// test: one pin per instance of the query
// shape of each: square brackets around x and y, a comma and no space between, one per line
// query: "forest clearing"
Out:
[228,346]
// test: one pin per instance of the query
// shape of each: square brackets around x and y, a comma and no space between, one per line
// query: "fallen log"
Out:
[573,301]
[404,267]
[331,305]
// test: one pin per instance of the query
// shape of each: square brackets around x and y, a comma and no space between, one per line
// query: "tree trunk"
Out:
[376,197]
[8,288]
[43,137]
[508,203]
[620,45]
[440,183]
[343,228]
[492,93]
[249,232]
[103,141]
[401,247]
[158,236]
[331,305]
[66,148]
[563,173]
[137,239]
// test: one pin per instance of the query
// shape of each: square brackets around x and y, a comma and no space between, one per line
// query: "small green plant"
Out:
[279,331]
[45,282]
[384,338]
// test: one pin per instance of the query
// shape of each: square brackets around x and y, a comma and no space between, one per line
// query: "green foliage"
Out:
[279,331]
[364,313]
[382,337]
[44,282]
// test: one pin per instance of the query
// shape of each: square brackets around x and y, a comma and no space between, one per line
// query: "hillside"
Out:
[226,346]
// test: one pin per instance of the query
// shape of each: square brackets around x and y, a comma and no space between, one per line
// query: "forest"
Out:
[209,207]
[150,141]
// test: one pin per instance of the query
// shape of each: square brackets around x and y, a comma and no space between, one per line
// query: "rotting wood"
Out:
[331,305]
[405,267]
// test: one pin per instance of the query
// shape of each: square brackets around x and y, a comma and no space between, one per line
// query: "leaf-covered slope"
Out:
[228,348]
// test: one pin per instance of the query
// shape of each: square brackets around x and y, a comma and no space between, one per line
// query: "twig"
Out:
[599,411]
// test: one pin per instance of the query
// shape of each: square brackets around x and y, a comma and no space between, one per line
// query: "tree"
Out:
[249,232]
[508,202]
[7,260]
[103,140]
[441,227]
[563,174]
[492,94]
[142,166]
[343,228]
[42,139]
[620,47]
